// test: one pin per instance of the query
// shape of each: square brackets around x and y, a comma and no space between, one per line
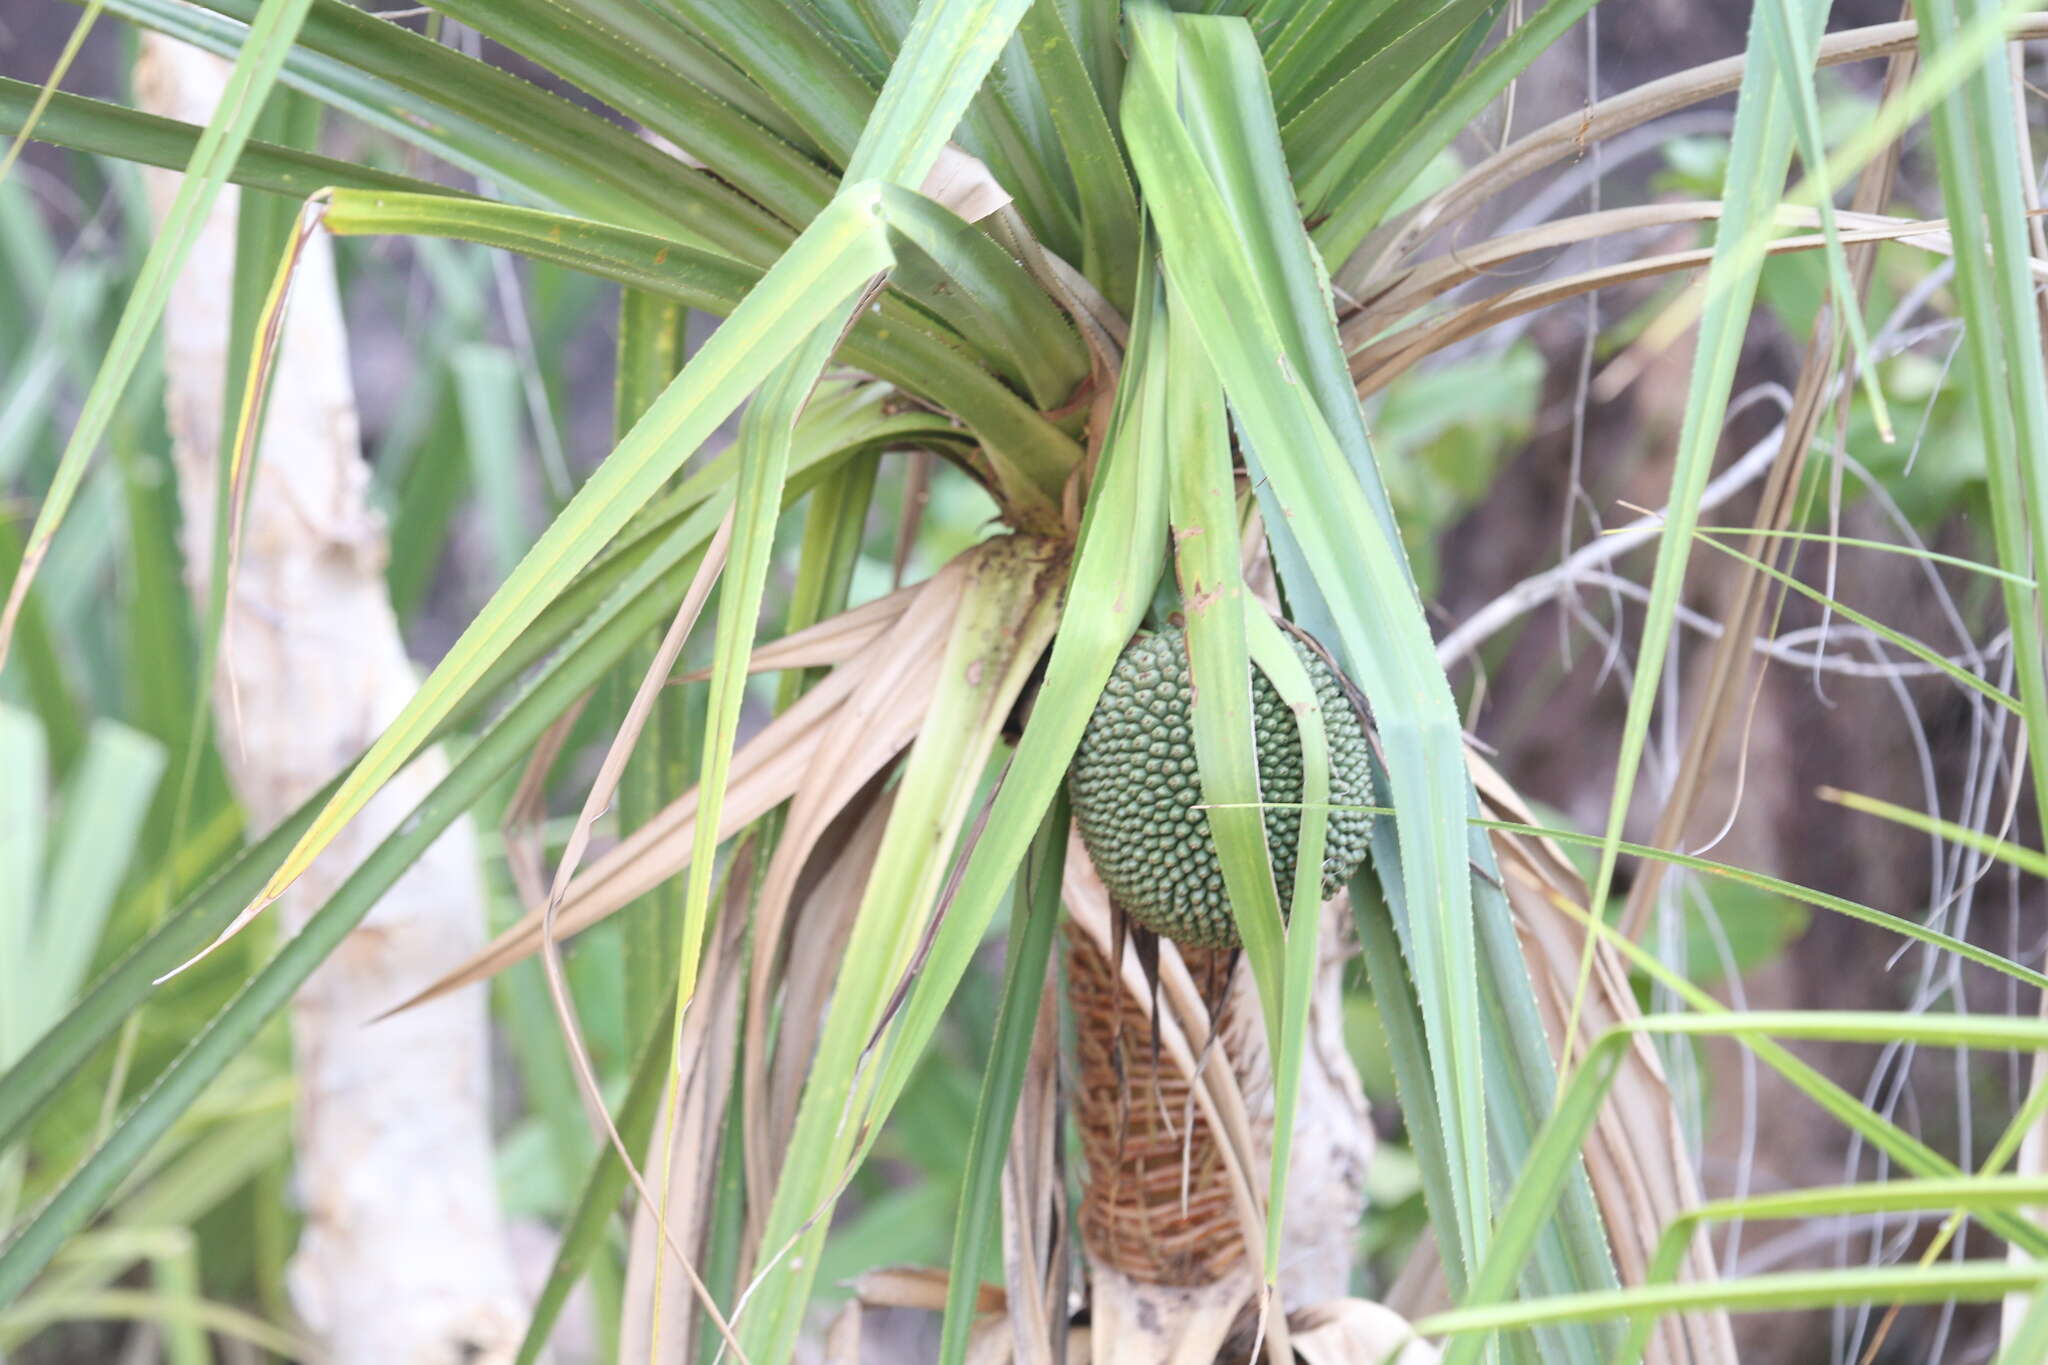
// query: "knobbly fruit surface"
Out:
[1136,790]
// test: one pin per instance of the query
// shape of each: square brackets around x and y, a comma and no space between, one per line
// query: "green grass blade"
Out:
[1029,455]
[614,66]
[1529,1207]
[484,120]
[1779,1292]
[1110,233]
[1034,916]
[1359,209]
[1821,900]
[103,129]
[105,804]
[1967,1193]
[1962,677]
[1793,54]
[255,72]
[976,286]
[2027,860]
[1981,163]
[58,70]
[650,351]
[597,1203]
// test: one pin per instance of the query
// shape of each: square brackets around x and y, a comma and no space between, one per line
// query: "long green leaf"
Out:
[95,126]
[105,804]
[1034,916]
[615,66]
[1220,263]
[1117,562]
[985,295]
[1026,455]
[1005,619]
[485,120]
[650,351]
[1110,234]
[1202,507]
[1359,209]
[1781,1292]
[1316,135]
[764,446]
[1274,656]
[806,76]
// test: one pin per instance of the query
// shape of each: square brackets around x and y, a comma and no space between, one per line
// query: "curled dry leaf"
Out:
[962,182]
[682,1159]
[1411,288]
[893,685]
[1388,358]
[1355,1332]
[766,771]
[831,642]
[1568,136]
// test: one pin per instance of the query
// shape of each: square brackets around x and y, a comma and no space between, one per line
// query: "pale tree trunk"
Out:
[404,1255]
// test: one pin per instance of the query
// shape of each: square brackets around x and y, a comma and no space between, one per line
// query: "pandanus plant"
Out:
[1130,270]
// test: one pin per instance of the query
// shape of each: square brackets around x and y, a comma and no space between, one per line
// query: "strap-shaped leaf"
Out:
[1236,272]
[88,125]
